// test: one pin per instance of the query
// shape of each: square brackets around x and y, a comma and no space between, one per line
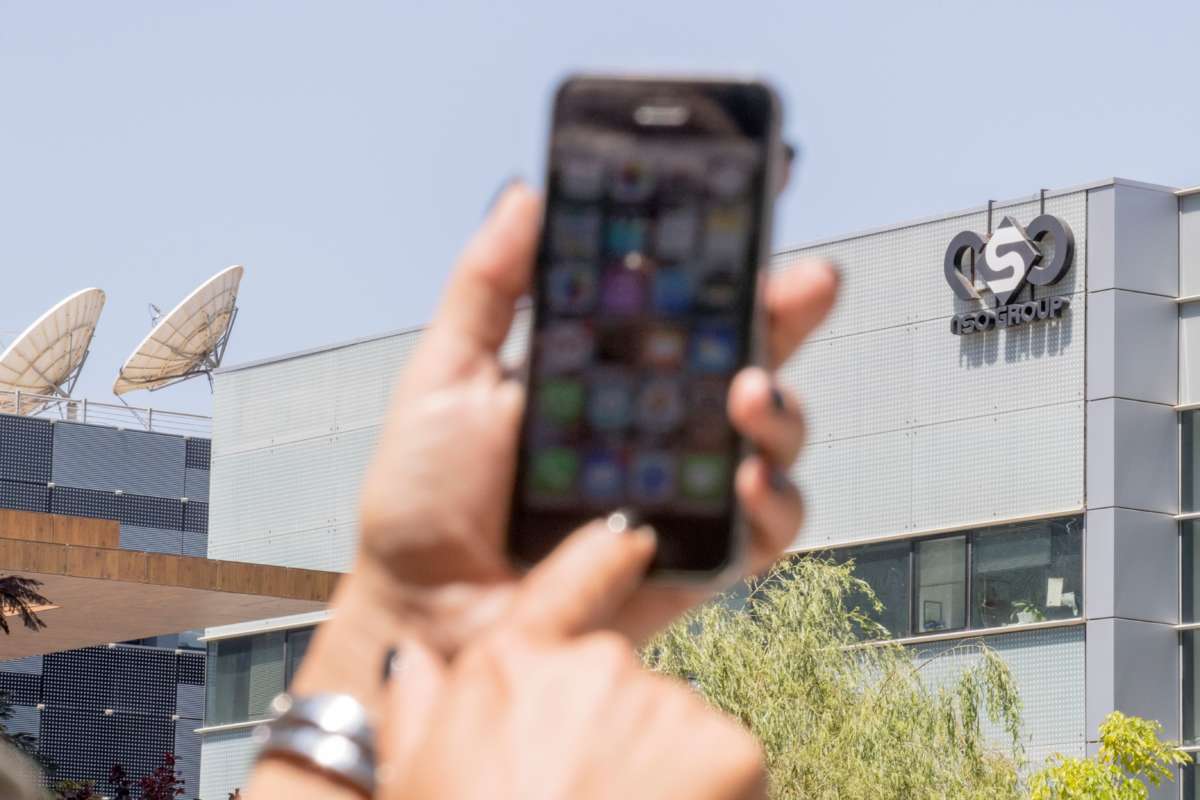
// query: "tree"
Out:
[18,596]
[26,743]
[74,790]
[838,718]
[164,783]
[1130,755]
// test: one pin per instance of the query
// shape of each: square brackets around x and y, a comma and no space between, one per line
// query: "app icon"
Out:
[619,344]
[681,174]
[652,477]
[623,292]
[553,470]
[676,233]
[571,288]
[729,178]
[717,288]
[663,346]
[632,182]
[560,400]
[564,346]
[725,233]
[581,176]
[610,402]
[660,405]
[713,349]
[625,235]
[704,476]
[575,233]
[672,290]
[707,421]
[602,478]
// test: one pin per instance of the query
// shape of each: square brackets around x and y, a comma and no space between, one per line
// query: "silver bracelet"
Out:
[331,732]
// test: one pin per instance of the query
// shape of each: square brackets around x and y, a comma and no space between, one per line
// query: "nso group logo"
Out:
[1003,264]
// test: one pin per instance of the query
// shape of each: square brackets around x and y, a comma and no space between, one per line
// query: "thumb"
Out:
[582,583]
[416,682]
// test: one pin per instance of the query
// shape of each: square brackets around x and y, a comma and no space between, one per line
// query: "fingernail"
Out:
[777,401]
[500,190]
[391,663]
[779,481]
[622,521]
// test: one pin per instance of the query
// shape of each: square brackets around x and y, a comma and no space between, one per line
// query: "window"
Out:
[1027,573]
[1191,687]
[297,647]
[1189,452]
[1189,556]
[987,578]
[885,568]
[245,674]
[941,578]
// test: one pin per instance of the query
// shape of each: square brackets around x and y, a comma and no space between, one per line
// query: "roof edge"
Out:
[1083,187]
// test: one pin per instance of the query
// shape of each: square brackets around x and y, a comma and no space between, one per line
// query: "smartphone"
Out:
[657,219]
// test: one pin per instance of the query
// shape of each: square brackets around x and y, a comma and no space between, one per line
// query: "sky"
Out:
[343,151]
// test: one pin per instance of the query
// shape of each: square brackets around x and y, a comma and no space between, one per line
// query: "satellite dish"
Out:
[188,341]
[46,358]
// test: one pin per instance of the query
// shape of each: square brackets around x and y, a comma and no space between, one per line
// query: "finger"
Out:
[493,272]
[588,576]
[414,686]
[766,415]
[798,299]
[773,509]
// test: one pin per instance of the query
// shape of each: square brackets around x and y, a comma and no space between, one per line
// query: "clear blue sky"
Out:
[343,150]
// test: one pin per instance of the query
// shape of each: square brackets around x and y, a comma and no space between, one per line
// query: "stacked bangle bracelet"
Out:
[329,732]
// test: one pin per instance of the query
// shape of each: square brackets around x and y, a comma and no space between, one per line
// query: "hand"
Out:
[542,706]
[435,500]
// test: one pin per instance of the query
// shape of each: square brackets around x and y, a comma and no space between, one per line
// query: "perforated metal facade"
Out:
[914,428]
[137,479]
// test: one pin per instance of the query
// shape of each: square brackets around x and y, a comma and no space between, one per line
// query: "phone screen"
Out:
[644,301]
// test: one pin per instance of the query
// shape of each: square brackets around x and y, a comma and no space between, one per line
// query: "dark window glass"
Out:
[297,646]
[1189,452]
[1187,780]
[941,578]
[244,675]
[885,569]
[1027,573]
[1191,687]
[1190,570]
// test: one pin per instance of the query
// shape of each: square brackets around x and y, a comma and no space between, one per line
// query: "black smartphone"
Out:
[657,219]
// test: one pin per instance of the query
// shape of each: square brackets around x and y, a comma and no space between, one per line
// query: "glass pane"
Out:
[1191,687]
[1189,452]
[941,566]
[244,675]
[1187,779]
[297,646]
[885,569]
[1027,573]
[1189,570]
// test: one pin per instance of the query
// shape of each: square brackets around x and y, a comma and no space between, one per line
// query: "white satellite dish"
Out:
[46,358]
[188,341]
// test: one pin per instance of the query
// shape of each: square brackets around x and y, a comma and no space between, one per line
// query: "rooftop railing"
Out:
[114,415]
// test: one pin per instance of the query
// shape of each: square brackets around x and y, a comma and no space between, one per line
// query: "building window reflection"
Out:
[245,673]
[986,578]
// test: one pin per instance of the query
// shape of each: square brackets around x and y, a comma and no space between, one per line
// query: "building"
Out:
[108,507]
[1018,467]
[124,703]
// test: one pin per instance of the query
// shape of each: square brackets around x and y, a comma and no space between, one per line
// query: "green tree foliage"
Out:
[1131,758]
[839,719]
[17,597]
[24,742]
